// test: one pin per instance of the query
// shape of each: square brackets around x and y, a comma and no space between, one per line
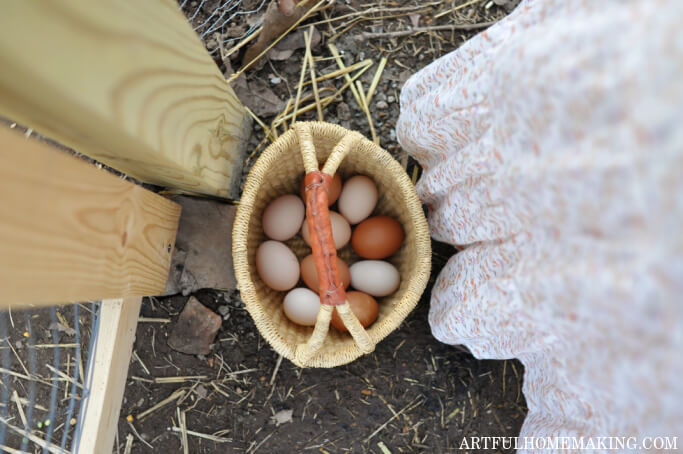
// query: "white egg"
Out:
[375,277]
[341,230]
[301,306]
[358,198]
[277,265]
[283,217]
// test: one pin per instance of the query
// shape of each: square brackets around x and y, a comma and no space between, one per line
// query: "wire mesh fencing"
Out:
[223,23]
[44,362]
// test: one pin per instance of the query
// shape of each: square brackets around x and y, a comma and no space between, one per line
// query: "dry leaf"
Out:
[260,99]
[285,48]
[62,329]
[275,23]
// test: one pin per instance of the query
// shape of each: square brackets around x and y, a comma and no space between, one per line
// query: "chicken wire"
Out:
[40,407]
[214,18]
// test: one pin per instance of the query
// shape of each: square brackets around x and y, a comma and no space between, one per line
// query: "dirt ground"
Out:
[413,394]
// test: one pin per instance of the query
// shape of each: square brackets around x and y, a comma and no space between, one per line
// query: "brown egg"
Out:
[363,306]
[310,275]
[377,237]
[335,189]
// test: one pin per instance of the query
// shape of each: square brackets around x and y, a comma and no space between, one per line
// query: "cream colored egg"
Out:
[283,217]
[341,230]
[358,198]
[375,277]
[301,306]
[277,265]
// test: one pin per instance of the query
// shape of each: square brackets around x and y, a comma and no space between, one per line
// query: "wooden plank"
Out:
[128,83]
[72,232]
[98,419]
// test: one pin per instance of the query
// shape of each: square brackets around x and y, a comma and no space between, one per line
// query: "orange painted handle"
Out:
[331,289]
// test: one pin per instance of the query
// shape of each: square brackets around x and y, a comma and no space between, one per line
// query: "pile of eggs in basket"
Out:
[373,238]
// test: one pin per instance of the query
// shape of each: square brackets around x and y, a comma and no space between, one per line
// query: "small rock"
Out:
[19,344]
[343,111]
[195,329]
[381,105]
[282,417]
[391,99]
[224,310]
[275,80]
[201,391]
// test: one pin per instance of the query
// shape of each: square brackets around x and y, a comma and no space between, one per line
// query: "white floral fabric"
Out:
[552,149]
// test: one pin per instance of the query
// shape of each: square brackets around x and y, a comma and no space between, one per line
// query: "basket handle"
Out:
[331,290]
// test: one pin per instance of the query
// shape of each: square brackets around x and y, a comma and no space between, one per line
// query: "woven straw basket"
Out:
[279,171]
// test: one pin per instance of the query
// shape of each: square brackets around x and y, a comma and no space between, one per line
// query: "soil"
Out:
[413,394]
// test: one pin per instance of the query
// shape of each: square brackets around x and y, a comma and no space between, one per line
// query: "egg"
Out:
[358,198]
[310,275]
[301,306]
[341,230]
[277,265]
[377,237]
[332,195]
[283,217]
[374,277]
[363,306]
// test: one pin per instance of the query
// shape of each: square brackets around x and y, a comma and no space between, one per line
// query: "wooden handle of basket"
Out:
[331,290]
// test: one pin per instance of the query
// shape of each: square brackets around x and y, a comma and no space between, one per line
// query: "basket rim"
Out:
[418,279]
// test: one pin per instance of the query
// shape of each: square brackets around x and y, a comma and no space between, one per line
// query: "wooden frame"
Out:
[108,370]
[72,232]
[128,83]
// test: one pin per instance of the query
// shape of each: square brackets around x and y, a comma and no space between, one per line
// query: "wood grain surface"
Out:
[128,83]
[101,407]
[72,232]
